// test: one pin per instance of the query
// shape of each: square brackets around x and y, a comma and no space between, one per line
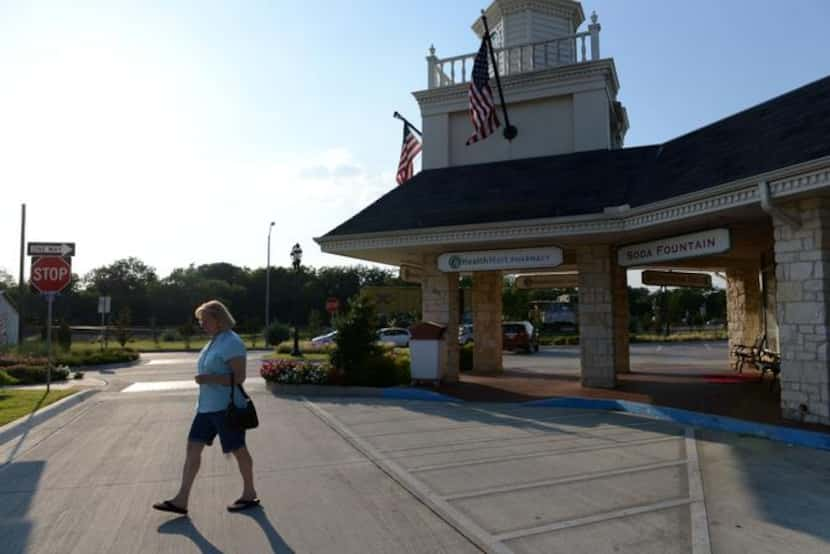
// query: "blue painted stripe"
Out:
[798,437]
[417,394]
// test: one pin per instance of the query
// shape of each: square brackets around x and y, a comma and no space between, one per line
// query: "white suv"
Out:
[396,335]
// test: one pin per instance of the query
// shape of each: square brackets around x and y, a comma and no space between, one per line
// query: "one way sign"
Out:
[64,249]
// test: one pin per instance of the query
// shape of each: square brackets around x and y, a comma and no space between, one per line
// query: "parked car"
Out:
[465,334]
[396,335]
[328,338]
[519,335]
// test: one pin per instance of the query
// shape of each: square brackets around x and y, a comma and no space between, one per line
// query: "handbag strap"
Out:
[245,394]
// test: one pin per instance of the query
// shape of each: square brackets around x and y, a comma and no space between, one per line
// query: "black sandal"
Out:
[242,504]
[168,506]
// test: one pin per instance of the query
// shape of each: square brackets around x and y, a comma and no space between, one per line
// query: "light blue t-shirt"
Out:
[213,360]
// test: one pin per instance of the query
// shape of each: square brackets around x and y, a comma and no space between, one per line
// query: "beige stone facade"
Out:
[440,304]
[802,257]
[487,308]
[603,316]
[743,306]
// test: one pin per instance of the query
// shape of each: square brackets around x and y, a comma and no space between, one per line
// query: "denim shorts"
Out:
[206,425]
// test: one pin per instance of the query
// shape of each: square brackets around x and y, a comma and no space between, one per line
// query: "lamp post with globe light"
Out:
[296,260]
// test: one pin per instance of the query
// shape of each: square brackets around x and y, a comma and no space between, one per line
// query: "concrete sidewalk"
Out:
[374,475]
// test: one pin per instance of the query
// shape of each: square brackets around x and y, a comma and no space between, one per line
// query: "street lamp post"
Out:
[268,285]
[296,260]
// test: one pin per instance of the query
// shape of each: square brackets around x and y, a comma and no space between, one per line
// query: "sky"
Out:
[176,131]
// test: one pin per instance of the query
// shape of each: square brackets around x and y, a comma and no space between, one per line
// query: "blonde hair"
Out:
[217,311]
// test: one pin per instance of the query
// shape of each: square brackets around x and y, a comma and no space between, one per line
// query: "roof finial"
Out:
[432,50]
[594,17]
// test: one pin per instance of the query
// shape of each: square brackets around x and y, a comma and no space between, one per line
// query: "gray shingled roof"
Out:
[784,131]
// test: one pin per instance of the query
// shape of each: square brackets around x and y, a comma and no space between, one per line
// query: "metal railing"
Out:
[512,60]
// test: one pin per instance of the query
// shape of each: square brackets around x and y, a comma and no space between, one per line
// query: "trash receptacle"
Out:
[425,351]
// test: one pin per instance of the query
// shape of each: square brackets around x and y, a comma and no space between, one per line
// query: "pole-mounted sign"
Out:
[65,249]
[50,273]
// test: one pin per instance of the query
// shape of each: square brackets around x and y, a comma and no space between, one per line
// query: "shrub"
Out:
[252,338]
[277,332]
[6,379]
[379,371]
[169,335]
[294,372]
[33,375]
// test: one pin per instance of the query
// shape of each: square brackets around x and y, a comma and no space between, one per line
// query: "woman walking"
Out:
[221,360]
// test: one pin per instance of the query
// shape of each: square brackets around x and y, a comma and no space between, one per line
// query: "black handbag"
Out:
[241,418]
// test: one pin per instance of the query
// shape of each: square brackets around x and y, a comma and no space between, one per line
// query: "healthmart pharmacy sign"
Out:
[694,245]
[494,260]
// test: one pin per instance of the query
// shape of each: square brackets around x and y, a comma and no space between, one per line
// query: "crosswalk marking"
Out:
[151,386]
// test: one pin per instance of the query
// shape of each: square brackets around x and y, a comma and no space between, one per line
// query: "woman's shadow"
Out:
[184,526]
[277,544]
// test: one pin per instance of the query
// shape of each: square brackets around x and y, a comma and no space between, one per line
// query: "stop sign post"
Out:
[49,275]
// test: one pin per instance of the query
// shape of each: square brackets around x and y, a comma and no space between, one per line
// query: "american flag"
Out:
[410,148]
[482,108]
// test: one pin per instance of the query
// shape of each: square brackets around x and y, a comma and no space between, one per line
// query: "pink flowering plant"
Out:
[294,372]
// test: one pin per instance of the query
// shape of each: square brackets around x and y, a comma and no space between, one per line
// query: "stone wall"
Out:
[439,303]
[802,257]
[487,333]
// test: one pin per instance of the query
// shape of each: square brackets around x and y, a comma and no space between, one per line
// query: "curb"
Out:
[810,439]
[23,425]
[399,393]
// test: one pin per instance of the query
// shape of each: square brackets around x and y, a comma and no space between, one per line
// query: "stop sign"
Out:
[332,304]
[51,273]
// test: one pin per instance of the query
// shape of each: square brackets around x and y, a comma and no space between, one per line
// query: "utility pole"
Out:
[20,286]
[268,285]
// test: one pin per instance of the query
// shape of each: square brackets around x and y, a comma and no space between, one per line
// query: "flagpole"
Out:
[411,126]
[510,131]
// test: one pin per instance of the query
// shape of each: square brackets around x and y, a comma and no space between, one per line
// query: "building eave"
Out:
[784,182]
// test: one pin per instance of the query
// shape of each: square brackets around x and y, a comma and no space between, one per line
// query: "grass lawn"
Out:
[20,402]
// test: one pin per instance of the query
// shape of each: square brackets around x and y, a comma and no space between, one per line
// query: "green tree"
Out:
[128,281]
[154,330]
[315,322]
[6,280]
[123,332]
[64,336]
[356,342]
[187,330]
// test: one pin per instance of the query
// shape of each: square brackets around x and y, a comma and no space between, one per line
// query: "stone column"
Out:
[487,334]
[770,313]
[439,303]
[802,257]
[601,330]
[743,305]
[621,317]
